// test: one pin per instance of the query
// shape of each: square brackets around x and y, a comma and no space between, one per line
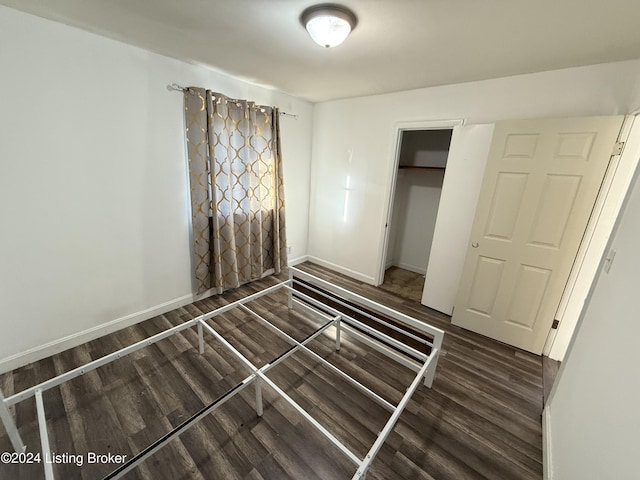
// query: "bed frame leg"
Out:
[44,435]
[338,330]
[10,426]
[200,339]
[259,409]
[435,352]
[431,372]
[289,293]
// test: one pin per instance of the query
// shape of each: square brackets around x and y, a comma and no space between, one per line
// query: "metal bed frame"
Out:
[423,364]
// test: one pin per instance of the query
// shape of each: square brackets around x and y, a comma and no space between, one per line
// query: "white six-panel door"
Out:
[539,187]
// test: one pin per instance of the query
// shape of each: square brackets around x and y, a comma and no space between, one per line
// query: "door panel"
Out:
[528,292]
[540,184]
[486,280]
[554,211]
[505,205]
[520,146]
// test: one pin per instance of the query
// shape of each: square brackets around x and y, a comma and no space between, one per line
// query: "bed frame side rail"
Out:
[436,333]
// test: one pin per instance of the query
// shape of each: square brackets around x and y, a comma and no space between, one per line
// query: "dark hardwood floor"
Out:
[481,419]
[550,370]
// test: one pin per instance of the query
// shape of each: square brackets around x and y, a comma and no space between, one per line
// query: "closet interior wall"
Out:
[421,168]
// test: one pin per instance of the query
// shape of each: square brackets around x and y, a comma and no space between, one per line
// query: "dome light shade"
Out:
[328,24]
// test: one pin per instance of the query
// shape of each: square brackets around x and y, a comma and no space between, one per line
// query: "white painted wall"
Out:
[356,137]
[415,208]
[592,418]
[635,97]
[346,126]
[93,183]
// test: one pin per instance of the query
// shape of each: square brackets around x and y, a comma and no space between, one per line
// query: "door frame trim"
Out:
[392,176]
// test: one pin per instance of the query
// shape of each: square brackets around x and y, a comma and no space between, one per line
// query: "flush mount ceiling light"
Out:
[328,24]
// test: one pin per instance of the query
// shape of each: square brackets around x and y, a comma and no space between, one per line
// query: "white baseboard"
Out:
[346,271]
[547,466]
[56,346]
[411,268]
[297,261]
[70,341]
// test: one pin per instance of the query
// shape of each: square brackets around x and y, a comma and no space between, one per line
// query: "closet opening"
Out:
[421,164]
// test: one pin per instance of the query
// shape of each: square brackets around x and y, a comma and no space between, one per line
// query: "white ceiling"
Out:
[397,45]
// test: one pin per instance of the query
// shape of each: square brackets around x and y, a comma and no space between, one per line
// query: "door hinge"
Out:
[617,148]
[554,325]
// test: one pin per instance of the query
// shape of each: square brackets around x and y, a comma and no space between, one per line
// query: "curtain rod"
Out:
[174,87]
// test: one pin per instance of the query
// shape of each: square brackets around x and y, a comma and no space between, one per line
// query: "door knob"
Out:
[474,244]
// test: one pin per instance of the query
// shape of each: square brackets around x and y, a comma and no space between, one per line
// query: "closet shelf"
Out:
[418,167]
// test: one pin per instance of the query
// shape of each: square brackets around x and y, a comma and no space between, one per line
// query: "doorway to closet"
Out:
[421,164]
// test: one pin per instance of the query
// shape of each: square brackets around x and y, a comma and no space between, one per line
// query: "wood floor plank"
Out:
[222,460]
[436,408]
[550,370]
[289,443]
[234,422]
[173,461]
[476,452]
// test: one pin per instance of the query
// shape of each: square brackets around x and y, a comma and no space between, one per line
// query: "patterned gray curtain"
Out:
[237,200]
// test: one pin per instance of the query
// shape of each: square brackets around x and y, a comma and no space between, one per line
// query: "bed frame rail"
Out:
[422,363]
